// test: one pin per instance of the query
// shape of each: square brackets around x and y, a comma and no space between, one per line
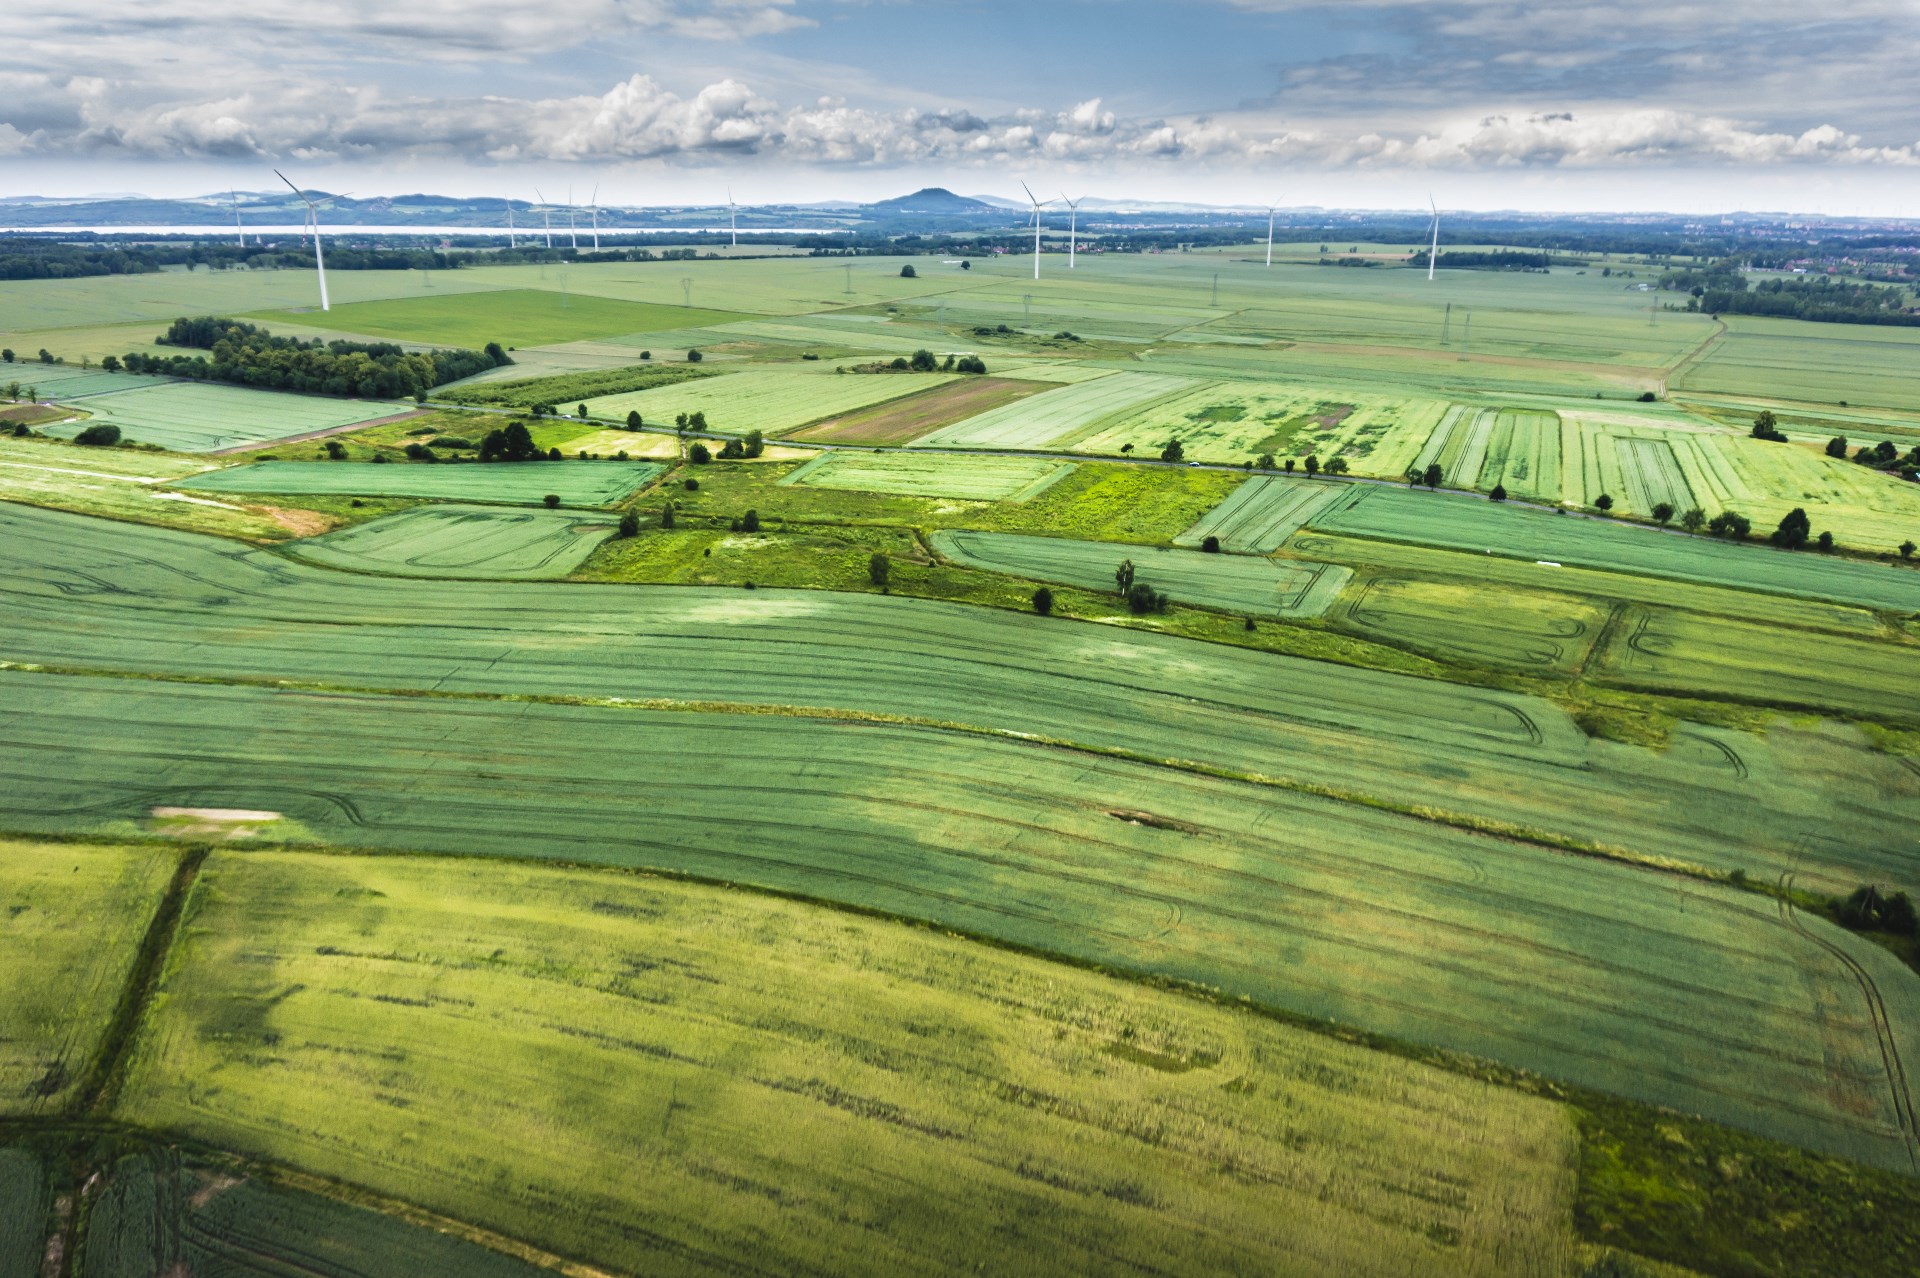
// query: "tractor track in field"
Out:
[1896,1072]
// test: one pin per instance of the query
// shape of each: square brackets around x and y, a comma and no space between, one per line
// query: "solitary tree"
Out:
[907,272]
[1173,452]
[1837,447]
[110,364]
[1211,544]
[1433,475]
[756,443]
[1336,466]
[666,515]
[1907,548]
[879,569]
[1603,502]
[100,434]
[1123,576]
[552,501]
[693,357]
[1313,465]
[629,522]
[634,421]
[750,522]
[699,455]
[1794,530]
[1693,519]
[1824,541]
[1289,465]
[1662,512]
[1043,601]
[1265,462]
[1499,493]
[580,411]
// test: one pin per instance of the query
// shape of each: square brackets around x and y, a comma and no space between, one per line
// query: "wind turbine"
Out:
[1433,254]
[1073,223]
[1037,206]
[313,216]
[572,237]
[733,220]
[594,209]
[235,195]
[1270,212]
[546,215]
[512,241]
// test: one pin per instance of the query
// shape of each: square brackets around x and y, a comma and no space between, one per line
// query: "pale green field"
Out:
[1057,419]
[1235,583]
[1472,626]
[512,317]
[462,541]
[199,417]
[664,1061]
[769,400]
[74,916]
[1861,364]
[574,482]
[63,381]
[932,475]
[119,484]
[1259,515]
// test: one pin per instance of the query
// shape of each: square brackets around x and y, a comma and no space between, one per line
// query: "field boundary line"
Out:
[1903,1109]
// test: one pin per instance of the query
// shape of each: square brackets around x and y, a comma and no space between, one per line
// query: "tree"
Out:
[666,515]
[552,501]
[1337,466]
[694,357]
[1662,512]
[99,435]
[697,421]
[1793,531]
[680,422]
[46,356]
[1499,493]
[1837,447]
[1043,601]
[699,455]
[634,420]
[415,451]
[111,364]
[1143,599]
[1289,466]
[908,273]
[630,522]
[968,266]
[750,522]
[1824,541]
[1126,450]
[1693,519]
[879,568]
[1313,465]
[580,411]
[924,362]
[1123,576]
[1211,544]
[971,364]
[6,355]
[497,355]
[1433,475]
[1603,502]
[1265,461]
[1907,548]
[1767,426]
[756,443]
[1173,452]
[336,451]
[1730,523]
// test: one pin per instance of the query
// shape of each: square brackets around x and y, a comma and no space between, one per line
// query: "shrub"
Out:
[379,459]
[879,569]
[908,273]
[630,523]
[414,451]
[1906,547]
[750,522]
[20,430]
[666,515]
[694,357]
[1837,447]
[698,454]
[756,443]
[1499,493]
[1043,601]
[646,354]
[449,441]
[1211,545]
[924,362]
[1793,531]
[971,364]
[1767,426]
[337,451]
[692,485]
[1824,541]
[551,501]
[634,420]
[1647,397]
[1143,599]
[99,435]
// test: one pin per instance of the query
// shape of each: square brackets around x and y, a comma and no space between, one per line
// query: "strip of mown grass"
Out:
[900,1095]
[1664,989]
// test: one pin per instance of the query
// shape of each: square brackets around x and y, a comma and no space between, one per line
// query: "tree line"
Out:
[251,356]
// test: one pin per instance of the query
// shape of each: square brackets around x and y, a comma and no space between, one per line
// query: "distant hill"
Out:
[931,199]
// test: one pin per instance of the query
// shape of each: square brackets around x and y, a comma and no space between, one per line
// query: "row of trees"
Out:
[251,356]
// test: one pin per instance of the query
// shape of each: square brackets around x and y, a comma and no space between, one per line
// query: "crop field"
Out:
[1259,515]
[1820,363]
[743,1048]
[908,418]
[1665,990]
[1688,653]
[1652,476]
[1240,420]
[1058,418]
[1015,479]
[519,484]
[462,541]
[157,1213]
[1465,523]
[101,596]
[770,400]
[117,483]
[1477,627]
[1523,455]
[512,317]
[1235,583]
[69,381]
[63,980]
[23,1212]
[200,417]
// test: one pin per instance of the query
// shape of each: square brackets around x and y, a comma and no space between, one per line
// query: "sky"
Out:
[1672,105]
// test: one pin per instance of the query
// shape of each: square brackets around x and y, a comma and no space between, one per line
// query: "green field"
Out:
[1465,523]
[968,478]
[512,317]
[1055,419]
[70,381]
[576,483]
[1259,516]
[201,417]
[1666,990]
[62,980]
[95,595]
[1824,363]
[23,1213]
[1235,583]
[769,400]
[120,484]
[911,1097]
[1475,626]
[462,541]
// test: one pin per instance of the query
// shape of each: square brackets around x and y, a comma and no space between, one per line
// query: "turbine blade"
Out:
[1029,191]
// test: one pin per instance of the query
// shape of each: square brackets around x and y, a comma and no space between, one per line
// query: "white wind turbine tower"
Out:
[1270,212]
[1073,225]
[1037,206]
[546,215]
[573,237]
[512,241]
[594,210]
[1433,253]
[235,196]
[313,218]
[733,220]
